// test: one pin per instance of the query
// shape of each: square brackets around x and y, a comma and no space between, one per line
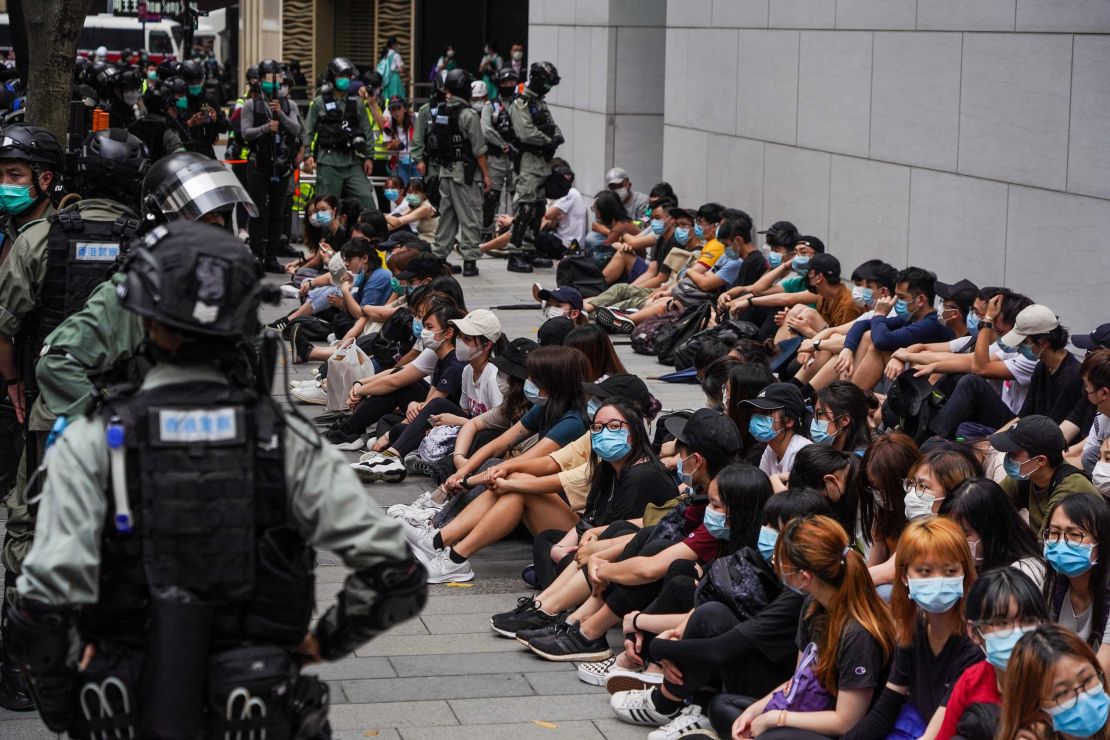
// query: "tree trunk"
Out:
[56,27]
[19,37]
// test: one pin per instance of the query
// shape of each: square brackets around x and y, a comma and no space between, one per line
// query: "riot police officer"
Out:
[455,142]
[202,115]
[426,166]
[124,95]
[537,138]
[500,144]
[270,126]
[158,129]
[215,619]
[338,135]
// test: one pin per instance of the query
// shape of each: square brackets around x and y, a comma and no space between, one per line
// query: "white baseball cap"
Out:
[478,89]
[479,323]
[1032,320]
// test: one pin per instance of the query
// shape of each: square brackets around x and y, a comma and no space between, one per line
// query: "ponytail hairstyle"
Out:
[844,399]
[814,463]
[928,537]
[1029,677]
[819,545]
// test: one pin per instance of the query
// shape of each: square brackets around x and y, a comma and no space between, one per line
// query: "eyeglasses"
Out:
[1089,685]
[1006,627]
[613,425]
[823,415]
[1072,536]
[916,487]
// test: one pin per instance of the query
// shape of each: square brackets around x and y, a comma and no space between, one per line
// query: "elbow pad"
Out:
[372,601]
[41,640]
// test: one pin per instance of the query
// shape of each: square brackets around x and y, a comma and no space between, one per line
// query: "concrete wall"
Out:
[610,56]
[971,137]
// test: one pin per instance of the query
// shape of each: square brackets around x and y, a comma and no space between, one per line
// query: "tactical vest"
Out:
[446,141]
[541,119]
[503,123]
[271,150]
[206,487]
[337,123]
[81,253]
[151,130]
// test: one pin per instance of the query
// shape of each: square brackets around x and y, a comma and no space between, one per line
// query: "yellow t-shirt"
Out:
[575,474]
[711,252]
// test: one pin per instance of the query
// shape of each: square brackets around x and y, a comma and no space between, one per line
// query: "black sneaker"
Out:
[338,436]
[332,418]
[526,615]
[15,696]
[570,644]
[280,325]
[518,263]
[271,265]
[559,625]
[470,268]
[613,321]
[299,353]
[538,261]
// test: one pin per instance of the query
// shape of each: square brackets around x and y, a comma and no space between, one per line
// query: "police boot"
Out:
[538,261]
[15,696]
[455,269]
[470,268]
[284,250]
[520,263]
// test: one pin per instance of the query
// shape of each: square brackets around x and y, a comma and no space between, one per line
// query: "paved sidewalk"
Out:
[446,674]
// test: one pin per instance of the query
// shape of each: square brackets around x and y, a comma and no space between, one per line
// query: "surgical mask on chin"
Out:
[716,523]
[999,648]
[428,339]
[918,506]
[553,312]
[862,296]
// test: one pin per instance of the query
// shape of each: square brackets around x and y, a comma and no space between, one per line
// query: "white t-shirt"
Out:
[425,362]
[1080,624]
[771,465]
[573,225]
[1013,391]
[481,395]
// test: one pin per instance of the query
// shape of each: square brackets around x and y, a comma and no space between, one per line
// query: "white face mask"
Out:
[919,505]
[428,339]
[1101,477]
[518,55]
[465,352]
[131,97]
[553,312]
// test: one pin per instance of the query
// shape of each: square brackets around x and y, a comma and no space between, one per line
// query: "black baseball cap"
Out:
[511,360]
[621,385]
[810,241]
[785,396]
[827,265]
[709,432]
[1098,339]
[1036,434]
[963,293]
[422,266]
[553,331]
[564,294]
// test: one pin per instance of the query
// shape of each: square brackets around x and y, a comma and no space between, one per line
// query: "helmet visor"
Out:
[198,189]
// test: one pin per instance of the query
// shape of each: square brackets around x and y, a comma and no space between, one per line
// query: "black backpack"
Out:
[581,272]
[393,340]
[730,331]
[692,321]
[733,581]
[911,405]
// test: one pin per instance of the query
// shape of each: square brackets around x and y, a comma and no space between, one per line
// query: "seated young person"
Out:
[777,418]
[608,214]
[1001,606]
[361,281]
[415,212]
[886,465]
[845,639]
[593,341]
[780,287]
[835,304]
[562,302]
[662,235]
[319,233]
[749,654]
[1094,454]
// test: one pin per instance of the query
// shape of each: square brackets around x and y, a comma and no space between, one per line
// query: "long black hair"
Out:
[594,342]
[1090,513]
[843,398]
[1004,537]
[560,371]
[604,476]
[813,463]
[744,490]
[610,210]
[992,595]
[794,503]
[745,381]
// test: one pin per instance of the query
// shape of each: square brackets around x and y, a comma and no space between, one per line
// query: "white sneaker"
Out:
[418,518]
[425,500]
[290,291]
[622,679]
[375,466]
[354,444]
[442,569]
[370,442]
[303,383]
[420,538]
[311,394]
[594,673]
[636,708]
[689,719]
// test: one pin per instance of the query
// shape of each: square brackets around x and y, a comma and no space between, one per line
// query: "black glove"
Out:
[40,640]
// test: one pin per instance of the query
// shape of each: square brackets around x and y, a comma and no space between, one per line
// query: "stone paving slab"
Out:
[552,683]
[435,644]
[449,624]
[354,667]
[466,664]
[368,717]
[544,708]
[614,729]
[580,730]
[438,687]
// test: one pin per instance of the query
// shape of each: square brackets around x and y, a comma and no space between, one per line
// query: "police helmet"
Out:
[34,145]
[156,98]
[192,277]
[372,79]
[111,161]
[169,68]
[252,73]
[193,72]
[269,67]
[128,79]
[187,185]
[106,78]
[80,64]
[458,83]
[174,87]
[125,56]
[339,67]
[507,74]
[542,76]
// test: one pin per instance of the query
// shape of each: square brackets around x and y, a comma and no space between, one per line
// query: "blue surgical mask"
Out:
[730,253]
[715,524]
[1013,468]
[819,432]
[902,309]
[768,538]
[610,445]
[658,226]
[681,234]
[181,103]
[862,296]
[1027,352]
[774,259]
[999,648]
[342,83]
[762,427]
[413,200]
[321,218]
[392,194]
[592,407]
[1086,716]
[687,478]
[532,393]
[15,199]
[195,90]
[1069,559]
[417,327]
[972,321]
[800,265]
[699,232]
[936,595]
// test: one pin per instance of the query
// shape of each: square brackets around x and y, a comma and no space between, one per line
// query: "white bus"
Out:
[162,39]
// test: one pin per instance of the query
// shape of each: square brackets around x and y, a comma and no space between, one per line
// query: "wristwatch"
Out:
[816,344]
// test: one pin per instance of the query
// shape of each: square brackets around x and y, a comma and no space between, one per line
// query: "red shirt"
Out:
[977,684]
[703,544]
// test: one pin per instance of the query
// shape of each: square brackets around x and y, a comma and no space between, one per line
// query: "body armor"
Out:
[338,124]
[447,143]
[271,150]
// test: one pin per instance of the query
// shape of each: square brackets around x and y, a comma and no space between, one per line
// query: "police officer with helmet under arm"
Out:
[456,143]
[185,630]
[270,125]
[500,145]
[339,136]
[537,138]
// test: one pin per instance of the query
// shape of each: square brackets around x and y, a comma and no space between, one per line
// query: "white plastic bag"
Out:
[347,365]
